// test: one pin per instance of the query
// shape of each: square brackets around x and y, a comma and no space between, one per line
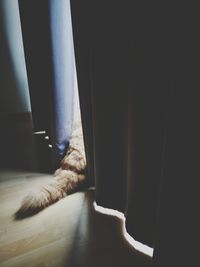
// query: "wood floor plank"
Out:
[69,233]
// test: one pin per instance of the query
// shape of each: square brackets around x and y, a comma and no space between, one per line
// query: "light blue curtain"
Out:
[48,44]
[14,95]
[63,64]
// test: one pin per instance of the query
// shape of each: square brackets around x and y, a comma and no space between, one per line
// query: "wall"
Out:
[14,94]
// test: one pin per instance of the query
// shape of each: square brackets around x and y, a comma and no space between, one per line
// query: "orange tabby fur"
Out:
[68,178]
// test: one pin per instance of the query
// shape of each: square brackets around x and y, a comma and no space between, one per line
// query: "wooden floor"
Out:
[68,233]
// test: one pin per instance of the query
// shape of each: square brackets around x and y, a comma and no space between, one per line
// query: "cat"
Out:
[70,177]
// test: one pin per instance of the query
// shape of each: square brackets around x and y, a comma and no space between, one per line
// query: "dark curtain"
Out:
[48,45]
[138,88]
[127,94]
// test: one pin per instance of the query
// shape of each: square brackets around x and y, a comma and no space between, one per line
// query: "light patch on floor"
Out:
[136,244]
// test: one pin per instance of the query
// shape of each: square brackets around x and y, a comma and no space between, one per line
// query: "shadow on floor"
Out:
[99,241]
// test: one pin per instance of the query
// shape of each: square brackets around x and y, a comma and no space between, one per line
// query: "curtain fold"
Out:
[126,55]
[128,87]
[49,53]
[80,11]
